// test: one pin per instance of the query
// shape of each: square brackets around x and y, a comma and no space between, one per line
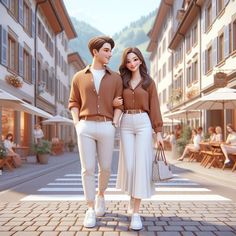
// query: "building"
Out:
[202,46]
[34,37]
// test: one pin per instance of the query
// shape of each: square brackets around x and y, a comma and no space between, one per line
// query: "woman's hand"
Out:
[118,101]
[160,140]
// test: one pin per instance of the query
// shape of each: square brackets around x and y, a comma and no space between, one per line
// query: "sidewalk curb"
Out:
[20,179]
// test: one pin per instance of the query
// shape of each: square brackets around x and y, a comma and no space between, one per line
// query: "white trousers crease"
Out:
[95,140]
[136,155]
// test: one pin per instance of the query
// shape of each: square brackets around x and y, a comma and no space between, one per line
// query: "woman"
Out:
[141,115]
[8,144]
[230,145]
[38,134]
[193,146]
[218,136]
[212,133]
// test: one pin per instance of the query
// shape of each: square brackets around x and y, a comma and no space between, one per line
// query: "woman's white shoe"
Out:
[136,223]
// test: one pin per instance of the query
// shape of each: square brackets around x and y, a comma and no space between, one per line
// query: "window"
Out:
[194,35]
[189,79]
[209,59]
[27,18]
[13,7]
[221,47]
[164,45]
[159,56]
[39,72]
[230,38]
[159,75]
[12,54]
[164,70]
[170,63]
[234,35]
[195,71]
[164,96]
[46,79]
[188,42]
[208,16]
[27,66]
[220,5]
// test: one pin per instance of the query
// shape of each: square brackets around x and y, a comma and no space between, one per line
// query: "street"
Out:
[53,204]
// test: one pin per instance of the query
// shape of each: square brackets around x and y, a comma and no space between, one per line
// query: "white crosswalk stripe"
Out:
[69,188]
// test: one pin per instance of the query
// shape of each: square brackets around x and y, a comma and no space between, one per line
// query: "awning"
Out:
[9,101]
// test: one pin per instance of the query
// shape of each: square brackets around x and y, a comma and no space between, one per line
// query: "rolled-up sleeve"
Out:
[75,98]
[119,92]
[154,106]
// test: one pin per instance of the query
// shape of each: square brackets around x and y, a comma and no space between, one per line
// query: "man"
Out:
[92,92]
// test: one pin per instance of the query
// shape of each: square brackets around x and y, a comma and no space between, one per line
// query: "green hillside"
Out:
[133,35]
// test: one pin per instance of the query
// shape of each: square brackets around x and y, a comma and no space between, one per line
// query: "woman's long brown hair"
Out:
[126,73]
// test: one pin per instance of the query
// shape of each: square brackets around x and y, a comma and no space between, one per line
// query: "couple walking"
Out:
[98,97]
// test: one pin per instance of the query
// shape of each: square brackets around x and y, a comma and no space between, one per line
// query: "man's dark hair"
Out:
[97,43]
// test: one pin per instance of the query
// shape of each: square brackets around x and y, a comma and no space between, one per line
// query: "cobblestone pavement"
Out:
[179,207]
[159,218]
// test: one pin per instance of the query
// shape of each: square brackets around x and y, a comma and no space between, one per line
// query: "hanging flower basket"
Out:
[14,81]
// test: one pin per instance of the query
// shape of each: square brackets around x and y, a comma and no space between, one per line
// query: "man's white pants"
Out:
[95,139]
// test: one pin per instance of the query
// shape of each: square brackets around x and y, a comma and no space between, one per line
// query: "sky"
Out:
[110,16]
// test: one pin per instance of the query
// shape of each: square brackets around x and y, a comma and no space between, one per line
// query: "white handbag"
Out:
[160,169]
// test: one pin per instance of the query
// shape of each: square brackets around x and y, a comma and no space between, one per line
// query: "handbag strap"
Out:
[160,154]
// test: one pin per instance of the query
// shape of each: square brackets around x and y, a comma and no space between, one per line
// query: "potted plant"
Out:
[42,150]
[3,152]
[71,145]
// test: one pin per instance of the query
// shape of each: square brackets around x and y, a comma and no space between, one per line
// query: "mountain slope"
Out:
[134,35]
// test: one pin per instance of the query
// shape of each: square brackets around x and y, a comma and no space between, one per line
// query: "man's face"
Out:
[104,54]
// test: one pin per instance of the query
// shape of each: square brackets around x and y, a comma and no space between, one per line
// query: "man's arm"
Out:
[75,114]
[116,117]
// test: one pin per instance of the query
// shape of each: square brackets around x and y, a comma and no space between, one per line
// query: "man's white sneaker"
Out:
[136,223]
[100,206]
[131,206]
[90,218]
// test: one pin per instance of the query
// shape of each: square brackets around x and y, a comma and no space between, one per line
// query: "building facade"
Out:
[34,67]
[202,47]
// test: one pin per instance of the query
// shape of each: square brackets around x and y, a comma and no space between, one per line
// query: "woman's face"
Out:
[229,129]
[10,137]
[133,62]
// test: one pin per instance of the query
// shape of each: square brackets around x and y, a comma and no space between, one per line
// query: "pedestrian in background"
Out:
[92,92]
[38,135]
[141,116]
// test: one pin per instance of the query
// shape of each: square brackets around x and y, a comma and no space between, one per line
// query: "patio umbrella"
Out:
[220,99]
[170,122]
[58,120]
[181,114]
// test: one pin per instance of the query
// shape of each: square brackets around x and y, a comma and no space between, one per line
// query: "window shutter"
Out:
[33,24]
[4,45]
[226,43]
[21,62]
[203,62]
[203,21]
[21,16]
[33,70]
[214,10]
[214,52]
[5,3]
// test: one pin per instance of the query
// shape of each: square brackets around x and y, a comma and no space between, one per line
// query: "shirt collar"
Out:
[107,69]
